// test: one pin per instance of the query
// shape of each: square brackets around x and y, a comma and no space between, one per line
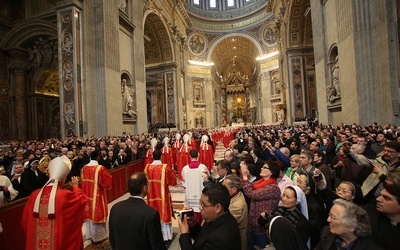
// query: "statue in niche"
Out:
[277,87]
[127,100]
[35,56]
[335,77]
[333,90]
[122,5]
[331,94]
[280,115]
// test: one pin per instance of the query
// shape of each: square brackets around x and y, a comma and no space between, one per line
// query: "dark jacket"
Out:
[328,242]
[221,234]
[135,225]
[384,233]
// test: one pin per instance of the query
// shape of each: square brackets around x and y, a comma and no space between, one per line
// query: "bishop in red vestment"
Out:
[149,153]
[167,153]
[176,146]
[53,217]
[206,153]
[183,156]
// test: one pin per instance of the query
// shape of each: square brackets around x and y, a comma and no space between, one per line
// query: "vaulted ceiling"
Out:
[238,47]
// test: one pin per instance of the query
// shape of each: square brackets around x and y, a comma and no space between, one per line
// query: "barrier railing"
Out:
[11,213]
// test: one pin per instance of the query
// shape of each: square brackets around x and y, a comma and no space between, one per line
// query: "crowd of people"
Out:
[282,187]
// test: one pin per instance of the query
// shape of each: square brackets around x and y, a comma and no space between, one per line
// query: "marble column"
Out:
[18,68]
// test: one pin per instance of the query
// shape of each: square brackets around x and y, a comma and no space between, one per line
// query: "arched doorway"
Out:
[160,73]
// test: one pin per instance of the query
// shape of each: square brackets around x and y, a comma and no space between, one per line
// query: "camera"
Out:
[318,177]
[188,212]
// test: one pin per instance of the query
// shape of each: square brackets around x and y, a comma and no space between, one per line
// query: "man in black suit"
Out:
[220,230]
[133,224]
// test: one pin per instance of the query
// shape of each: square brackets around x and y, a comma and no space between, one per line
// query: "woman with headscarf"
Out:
[284,235]
[348,228]
[294,208]
[347,190]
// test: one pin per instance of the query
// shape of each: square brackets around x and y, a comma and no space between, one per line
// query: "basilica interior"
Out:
[93,67]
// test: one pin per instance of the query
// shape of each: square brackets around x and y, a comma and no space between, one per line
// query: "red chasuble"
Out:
[149,156]
[62,232]
[95,181]
[160,176]
[183,158]
[206,155]
[167,156]
[175,148]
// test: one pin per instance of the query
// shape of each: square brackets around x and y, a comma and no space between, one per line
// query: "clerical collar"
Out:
[137,197]
[157,162]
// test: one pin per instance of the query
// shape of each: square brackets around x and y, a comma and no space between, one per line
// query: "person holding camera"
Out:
[264,194]
[220,229]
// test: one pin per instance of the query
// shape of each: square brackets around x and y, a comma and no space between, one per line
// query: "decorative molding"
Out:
[19,67]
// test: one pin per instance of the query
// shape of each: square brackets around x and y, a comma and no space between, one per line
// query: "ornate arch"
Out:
[252,38]
[299,28]
[158,45]
[26,30]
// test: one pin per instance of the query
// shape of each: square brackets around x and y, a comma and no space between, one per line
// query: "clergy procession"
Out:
[271,187]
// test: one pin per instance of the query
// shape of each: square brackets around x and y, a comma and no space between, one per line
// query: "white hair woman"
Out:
[348,228]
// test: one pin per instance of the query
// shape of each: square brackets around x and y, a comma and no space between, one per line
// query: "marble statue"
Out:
[335,77]
[127,97]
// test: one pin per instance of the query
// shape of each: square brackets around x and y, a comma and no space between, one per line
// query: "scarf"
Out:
[262,183]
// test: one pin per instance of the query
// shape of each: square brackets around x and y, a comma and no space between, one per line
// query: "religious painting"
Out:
[269,35]
[197,44]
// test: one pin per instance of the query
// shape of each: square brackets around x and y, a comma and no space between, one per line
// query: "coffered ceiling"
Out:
[236,47]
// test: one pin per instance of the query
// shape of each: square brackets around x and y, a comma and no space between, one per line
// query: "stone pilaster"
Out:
[18,69]
[69,28]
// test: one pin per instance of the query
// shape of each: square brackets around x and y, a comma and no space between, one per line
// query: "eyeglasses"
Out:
[202,205]
[264,167]
[333,217]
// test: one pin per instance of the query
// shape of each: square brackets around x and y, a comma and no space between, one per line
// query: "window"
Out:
[213,3]
[197,2]
[231,3]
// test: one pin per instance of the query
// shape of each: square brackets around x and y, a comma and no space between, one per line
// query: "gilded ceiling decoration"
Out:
[237,48]
[157,43]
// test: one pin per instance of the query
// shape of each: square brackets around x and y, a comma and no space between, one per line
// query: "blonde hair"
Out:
[295,158]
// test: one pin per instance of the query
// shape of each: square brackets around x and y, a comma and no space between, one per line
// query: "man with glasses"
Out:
[220,229]
[223,169]
[372,186]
